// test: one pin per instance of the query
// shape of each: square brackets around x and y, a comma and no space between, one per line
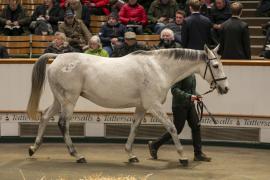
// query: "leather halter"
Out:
[214,80]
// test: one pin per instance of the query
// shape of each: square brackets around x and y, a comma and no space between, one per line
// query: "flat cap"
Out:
[130,35]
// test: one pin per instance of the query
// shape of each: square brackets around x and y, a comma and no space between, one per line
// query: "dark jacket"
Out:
[218,16]
[235,42]
[173,44]
[86,16]
[196,31]
[124,49]
[158,10]
[108,32]
[59,50]
[20,15]
[56,14]
[182,91]
[3,52]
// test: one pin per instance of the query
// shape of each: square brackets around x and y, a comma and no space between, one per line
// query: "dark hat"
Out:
[114,15]
[69,13]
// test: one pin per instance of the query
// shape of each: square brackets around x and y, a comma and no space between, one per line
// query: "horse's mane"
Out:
[174,53]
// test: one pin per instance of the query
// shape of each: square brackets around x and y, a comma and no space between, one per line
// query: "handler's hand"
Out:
[195,98]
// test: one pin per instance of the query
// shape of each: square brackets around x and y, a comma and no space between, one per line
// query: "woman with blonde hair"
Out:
[95,47]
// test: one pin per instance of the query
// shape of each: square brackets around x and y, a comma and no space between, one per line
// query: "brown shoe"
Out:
[152,150]
[202,157]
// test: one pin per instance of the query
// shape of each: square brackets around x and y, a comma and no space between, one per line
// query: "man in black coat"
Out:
[235,42]
[196,31]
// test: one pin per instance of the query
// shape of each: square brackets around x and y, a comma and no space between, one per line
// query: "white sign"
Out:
[227,121]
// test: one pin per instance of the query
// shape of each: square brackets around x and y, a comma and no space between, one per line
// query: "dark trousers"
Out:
[13,32]
[180,115]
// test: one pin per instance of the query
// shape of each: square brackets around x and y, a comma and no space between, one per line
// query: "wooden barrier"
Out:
[149,40]
[39,44]
[96,22]
[31,5]
[16,45]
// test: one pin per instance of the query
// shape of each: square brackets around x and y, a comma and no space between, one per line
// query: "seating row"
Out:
[34,45]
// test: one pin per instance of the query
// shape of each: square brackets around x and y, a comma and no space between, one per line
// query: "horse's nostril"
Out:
[226,89]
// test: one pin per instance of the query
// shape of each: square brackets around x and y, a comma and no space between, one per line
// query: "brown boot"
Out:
[202,157]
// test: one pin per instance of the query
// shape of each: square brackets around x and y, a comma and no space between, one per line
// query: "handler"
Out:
[183,109]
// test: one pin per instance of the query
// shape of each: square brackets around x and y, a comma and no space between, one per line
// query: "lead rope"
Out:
[200,106]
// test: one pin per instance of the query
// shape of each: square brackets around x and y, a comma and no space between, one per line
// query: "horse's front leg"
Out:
[157,112]
[139,115]
[63,123]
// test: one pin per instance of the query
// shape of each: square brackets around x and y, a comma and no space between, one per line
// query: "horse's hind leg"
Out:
[63,123]
[139,115]
[46,115]
[157,112]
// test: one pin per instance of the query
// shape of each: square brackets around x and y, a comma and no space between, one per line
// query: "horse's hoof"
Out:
[81,160]
[183,162]
[30,151]
[133,160]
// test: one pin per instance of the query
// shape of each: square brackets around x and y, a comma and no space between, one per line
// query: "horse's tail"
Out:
[38,76]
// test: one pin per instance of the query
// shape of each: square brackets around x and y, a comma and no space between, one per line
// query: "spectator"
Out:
[184,92]
[264,8]
[112,33]
[220,12]
[14,20]
[77,33]
[63,3]
[116,5]
[204,10]
[3,52]
[266,47]
[46,17]
[167,40]
[130,45]
[235,42]
[182,4]
[144,3]
[196,30]
[59,45]
[95,47]
[99,7]
[160,13]
[134,16]
[81,11]
[176,26]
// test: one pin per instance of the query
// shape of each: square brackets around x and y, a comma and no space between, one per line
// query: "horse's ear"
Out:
[216,48]
[206,49]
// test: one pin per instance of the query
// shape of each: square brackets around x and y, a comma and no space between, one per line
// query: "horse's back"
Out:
[109,82]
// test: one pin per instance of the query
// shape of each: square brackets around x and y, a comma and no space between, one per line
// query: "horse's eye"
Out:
[215,66]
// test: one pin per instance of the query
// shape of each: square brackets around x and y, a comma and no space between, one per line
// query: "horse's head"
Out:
[213,71]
